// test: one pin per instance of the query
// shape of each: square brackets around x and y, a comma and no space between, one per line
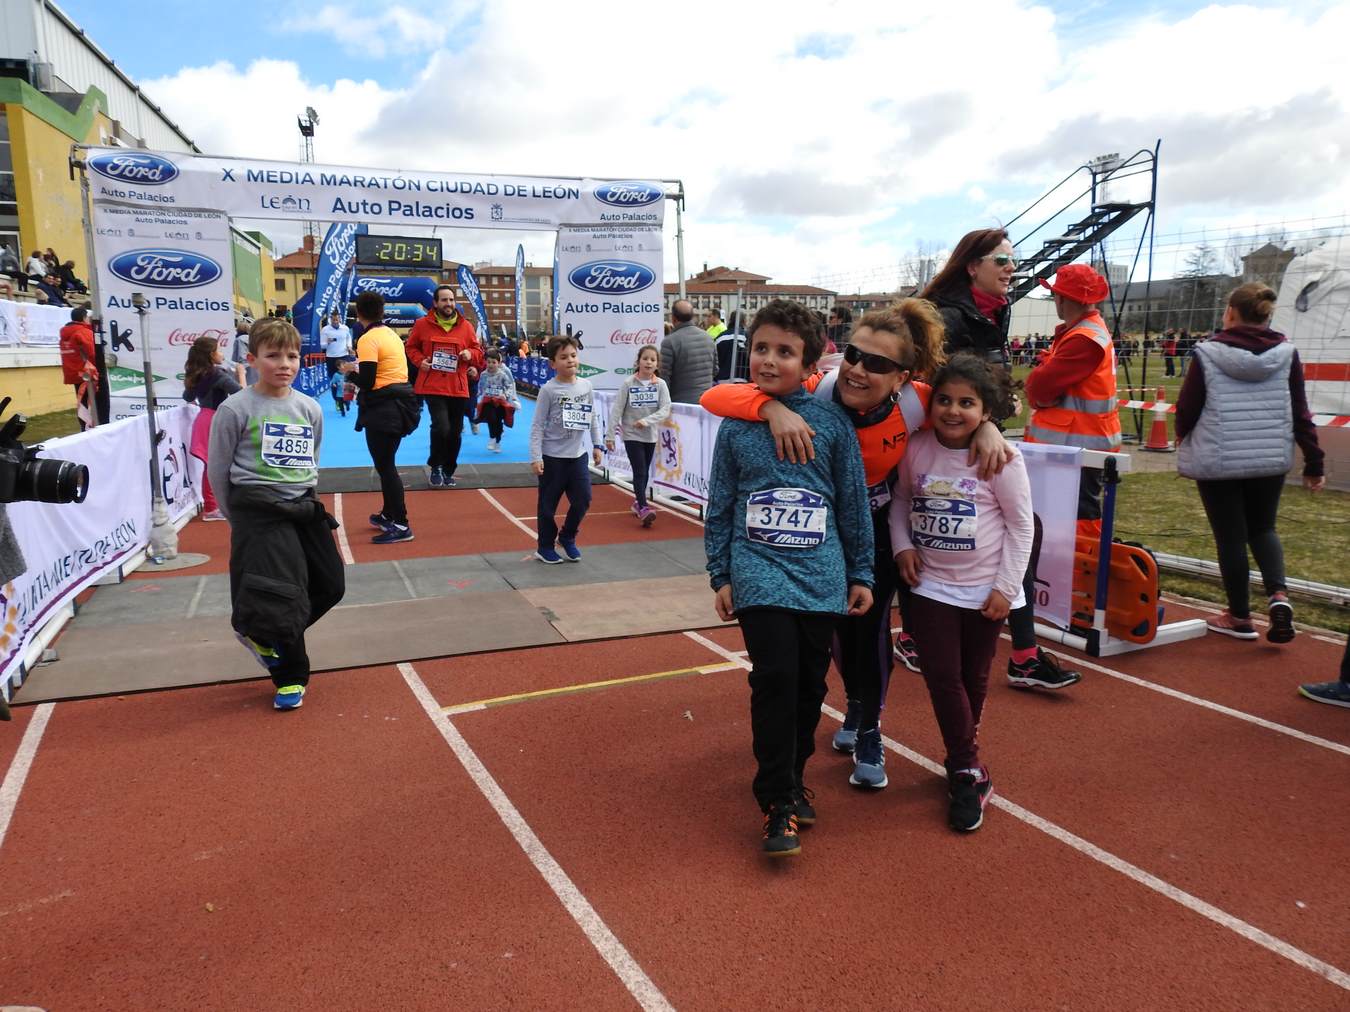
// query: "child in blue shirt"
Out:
[789,549]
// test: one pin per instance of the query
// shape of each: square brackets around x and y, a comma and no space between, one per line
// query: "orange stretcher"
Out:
[1132,587]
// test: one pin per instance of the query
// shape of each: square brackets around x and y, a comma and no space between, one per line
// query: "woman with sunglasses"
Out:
[873,385]
[971,293]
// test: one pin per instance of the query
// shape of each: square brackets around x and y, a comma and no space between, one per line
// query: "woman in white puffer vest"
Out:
[1240,411]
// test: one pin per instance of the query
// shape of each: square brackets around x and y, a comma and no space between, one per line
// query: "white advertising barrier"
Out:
[1053,472]
[684,449]
[180,260]
[295,190]
[612,293]
[68,547]
[26,324]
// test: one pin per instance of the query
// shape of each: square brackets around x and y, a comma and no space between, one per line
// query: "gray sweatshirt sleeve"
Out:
[543,407]
[615,430]
[662,411]
[597,425]
[226,430]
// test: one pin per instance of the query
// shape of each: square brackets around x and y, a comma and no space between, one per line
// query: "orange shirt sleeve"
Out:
[743,400]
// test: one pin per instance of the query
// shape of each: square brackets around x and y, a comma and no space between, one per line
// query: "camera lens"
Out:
[58,481]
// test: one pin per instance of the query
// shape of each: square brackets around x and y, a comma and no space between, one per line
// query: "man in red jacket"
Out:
[444,348]
[77,364]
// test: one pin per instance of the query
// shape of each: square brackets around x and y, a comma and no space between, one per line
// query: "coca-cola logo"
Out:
[178,337]
[647,335]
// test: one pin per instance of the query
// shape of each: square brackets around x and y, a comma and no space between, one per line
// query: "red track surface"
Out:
[349,859]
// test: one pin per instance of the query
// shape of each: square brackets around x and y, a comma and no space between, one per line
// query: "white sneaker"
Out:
[492,445]
[473,426]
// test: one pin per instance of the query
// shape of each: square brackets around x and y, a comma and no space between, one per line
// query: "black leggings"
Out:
[862,644]
[640,458]
[1242,513]
[383,446]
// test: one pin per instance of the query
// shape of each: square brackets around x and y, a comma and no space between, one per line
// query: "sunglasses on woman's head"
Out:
[1001,259]
[872,363]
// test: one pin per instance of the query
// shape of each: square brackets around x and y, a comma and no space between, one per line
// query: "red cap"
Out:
[1080,283]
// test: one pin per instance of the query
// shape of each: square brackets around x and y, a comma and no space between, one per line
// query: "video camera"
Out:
[24,478]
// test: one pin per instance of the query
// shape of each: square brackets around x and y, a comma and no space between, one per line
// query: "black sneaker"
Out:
[907,653]
[379,521]
[806,812]
[969,791]
[1043,672]
[780,831]
[1281,619]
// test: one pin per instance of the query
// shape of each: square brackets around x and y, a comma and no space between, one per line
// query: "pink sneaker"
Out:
[647,515]
[1227,625]
[210,515]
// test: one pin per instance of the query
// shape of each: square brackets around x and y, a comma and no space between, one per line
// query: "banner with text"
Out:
[468,284]
[684,449]
[67,547]
[1053,472]
[520,292]
[180,260]
[612,293]
[298,191]
[331,281]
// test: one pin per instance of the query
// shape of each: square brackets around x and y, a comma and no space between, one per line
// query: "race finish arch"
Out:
[158,225]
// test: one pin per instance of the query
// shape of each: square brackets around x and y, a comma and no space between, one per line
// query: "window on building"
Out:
[281,284]
[9,206]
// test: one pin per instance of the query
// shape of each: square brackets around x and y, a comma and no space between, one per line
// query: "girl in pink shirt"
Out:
[963,544]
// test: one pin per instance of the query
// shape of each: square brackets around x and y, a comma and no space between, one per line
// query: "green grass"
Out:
[50,426]
[1163,512]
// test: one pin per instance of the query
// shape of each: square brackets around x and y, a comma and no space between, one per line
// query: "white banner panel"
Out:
[1053,472]
[178,259]
[67,547]
[612,293]
[684,449]
[294,190]
[28,324]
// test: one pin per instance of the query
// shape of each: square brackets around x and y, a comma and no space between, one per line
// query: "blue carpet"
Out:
[344,447]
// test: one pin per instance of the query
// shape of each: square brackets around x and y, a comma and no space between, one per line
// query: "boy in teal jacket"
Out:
[789,548]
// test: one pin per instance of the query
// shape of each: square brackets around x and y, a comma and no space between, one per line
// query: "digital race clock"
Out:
[415,252]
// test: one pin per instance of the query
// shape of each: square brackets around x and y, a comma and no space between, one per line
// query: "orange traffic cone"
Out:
[1157,432]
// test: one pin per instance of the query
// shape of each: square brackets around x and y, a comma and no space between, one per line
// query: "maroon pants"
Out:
[956,646]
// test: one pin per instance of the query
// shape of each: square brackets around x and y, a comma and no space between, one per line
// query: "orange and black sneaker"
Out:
[780,831]
[802,798]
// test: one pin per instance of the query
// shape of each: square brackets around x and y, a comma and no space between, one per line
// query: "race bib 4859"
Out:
[287,444]
[786,518]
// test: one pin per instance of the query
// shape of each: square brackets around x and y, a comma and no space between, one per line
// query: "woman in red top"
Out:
[444,348]
[874,387]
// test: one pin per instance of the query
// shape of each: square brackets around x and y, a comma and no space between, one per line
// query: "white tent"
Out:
[1313,311]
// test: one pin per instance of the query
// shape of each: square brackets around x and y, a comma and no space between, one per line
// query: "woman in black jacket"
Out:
[971,293]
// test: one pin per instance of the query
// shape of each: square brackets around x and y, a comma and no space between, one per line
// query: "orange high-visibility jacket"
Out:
[1087,414]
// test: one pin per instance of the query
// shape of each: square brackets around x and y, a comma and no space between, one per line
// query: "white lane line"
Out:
[1227,711]
[609,947]
[196,597]
[407,584]
[507,513]
[344,549]
[1193,903]
[19,767]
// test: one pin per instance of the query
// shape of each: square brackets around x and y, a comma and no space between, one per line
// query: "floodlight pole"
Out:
[679,236]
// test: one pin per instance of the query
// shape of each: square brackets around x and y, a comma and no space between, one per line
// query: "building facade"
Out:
[720,287]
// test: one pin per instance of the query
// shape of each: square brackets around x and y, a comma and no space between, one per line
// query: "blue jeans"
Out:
[563,474]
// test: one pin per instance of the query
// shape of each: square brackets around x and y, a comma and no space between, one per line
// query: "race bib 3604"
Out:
[786,518]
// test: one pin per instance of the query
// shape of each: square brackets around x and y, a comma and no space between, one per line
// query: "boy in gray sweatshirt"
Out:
[565,427]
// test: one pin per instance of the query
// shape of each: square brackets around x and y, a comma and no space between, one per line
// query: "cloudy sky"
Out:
[816,141]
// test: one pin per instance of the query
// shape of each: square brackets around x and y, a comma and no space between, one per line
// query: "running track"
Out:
[1169,834]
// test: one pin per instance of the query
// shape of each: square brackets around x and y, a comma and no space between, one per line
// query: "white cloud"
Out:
[393,30]
[801,131]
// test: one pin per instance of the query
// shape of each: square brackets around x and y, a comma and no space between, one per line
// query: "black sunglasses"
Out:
[879,364]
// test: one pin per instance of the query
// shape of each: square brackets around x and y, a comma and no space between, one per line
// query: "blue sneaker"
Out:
[448,480]
[549,556]
[289,697]
[379,521]
[869,761]
[571,550]
[263,654]
[437,478]
[393,534]
[1334,693]
[846,738]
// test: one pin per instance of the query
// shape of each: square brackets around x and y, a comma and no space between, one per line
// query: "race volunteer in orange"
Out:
[77,359]
[873,384]
[1073,391]
[444,348]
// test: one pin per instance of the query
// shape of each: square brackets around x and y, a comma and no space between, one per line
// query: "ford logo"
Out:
[618,277]
[126,167]
[628,193]
[165,268]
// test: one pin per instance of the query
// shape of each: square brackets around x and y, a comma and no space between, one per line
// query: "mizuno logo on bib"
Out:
[786,518]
